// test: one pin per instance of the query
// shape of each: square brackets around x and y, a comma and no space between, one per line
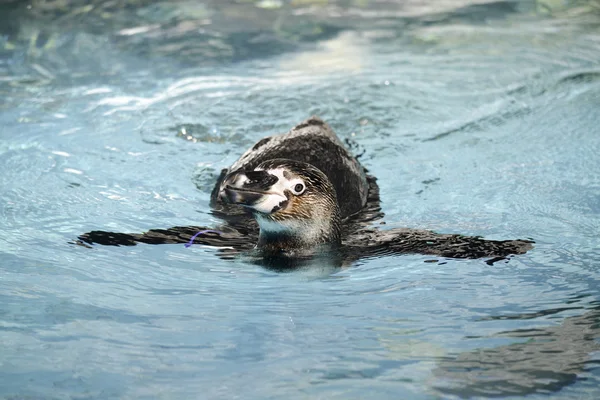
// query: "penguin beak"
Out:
[257,190]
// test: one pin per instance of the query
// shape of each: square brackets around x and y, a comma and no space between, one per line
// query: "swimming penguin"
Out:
[294,204]
[294,194]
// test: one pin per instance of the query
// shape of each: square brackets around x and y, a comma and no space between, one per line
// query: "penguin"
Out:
[294,203]
[298,194]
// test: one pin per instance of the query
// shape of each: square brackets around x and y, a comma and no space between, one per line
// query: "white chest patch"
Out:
[268,225]
[301,229]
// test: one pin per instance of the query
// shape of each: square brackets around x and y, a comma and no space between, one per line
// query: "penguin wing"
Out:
[375,242]
[225,236]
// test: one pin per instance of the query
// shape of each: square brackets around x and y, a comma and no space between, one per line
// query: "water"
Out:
[477,118]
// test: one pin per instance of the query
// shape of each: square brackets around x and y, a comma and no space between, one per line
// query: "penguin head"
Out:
[291,201]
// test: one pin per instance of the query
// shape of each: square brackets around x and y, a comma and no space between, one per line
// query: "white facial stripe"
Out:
[269,202]
[276,195]
[283,183]
[240,179]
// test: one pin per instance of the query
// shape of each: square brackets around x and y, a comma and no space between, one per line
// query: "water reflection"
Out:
[545,360]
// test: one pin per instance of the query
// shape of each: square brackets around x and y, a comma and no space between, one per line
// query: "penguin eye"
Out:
[298,189]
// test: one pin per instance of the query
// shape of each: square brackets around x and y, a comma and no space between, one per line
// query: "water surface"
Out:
[478,118]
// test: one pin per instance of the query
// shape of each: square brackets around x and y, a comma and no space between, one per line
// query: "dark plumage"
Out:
[312,142]
[335,205]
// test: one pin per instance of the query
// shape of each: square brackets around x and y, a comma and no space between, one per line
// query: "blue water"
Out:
[477,118]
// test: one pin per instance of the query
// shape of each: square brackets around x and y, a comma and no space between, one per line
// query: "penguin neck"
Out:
[293,236]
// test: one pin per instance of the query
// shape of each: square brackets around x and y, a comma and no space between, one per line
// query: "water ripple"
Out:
[477,118]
